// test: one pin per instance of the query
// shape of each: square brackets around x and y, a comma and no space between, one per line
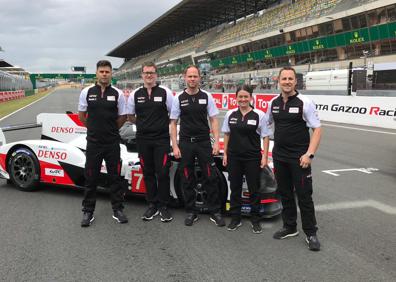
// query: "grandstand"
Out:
[13,78]
[236,41]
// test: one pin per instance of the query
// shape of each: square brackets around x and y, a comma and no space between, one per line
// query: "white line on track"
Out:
[360,129]
[27,105]
[368,170]
[357,204]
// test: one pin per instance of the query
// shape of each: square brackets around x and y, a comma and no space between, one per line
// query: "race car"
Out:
[58,158]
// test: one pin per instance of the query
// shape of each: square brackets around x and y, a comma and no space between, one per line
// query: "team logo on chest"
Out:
[141,99]
[184,103]
[92,97]
[233,120]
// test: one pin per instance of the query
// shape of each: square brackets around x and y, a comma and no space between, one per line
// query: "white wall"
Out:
[370,111]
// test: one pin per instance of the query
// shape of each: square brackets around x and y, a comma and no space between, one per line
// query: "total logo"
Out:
[225,102]
[262,105]
[54,172]
[232,102]
[216,100]
[263,100]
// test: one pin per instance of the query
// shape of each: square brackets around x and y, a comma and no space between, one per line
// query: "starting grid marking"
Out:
[368,170]
[357,204]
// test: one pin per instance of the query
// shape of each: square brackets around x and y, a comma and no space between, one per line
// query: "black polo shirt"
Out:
[292,121]
[193,111]
[152,112]
[103,111]
[245,133]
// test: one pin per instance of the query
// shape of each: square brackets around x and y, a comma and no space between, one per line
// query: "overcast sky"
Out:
[54,35]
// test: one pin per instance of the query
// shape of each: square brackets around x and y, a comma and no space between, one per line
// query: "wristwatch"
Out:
[311,156]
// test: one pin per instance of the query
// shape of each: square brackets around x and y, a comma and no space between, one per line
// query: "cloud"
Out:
[54,35]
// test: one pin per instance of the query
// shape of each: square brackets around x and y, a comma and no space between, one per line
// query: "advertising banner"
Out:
[370,111]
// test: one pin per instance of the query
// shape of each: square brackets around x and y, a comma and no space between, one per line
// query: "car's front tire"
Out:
[24,169]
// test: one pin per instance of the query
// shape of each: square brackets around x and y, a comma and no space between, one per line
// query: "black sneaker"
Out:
[165,214]
[234,224]
[87,219]
[119,216]
[284,233]
[218,219]
[190,219]
[313,243]
[150,213]
[256,227]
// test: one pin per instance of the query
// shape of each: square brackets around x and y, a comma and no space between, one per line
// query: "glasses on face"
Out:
[148,72]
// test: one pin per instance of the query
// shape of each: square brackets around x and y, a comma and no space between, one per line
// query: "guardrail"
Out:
[11,95]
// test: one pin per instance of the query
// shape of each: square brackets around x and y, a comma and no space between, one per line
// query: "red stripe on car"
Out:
[55,174]
[3,160]
[76,119]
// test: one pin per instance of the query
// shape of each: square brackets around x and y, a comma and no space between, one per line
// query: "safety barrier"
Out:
[368,111]
[11,95]
[227,101]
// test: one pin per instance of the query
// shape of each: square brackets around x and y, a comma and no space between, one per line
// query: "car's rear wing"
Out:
[13,128]
[66,128]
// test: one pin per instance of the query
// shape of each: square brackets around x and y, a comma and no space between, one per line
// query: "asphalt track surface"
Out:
[41,238]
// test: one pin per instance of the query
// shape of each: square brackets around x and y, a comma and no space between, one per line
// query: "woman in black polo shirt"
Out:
[243,129]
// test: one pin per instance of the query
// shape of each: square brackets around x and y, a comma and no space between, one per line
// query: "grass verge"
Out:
[8,107]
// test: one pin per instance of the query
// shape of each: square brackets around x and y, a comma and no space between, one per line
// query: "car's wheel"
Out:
[24,169]
[201,203]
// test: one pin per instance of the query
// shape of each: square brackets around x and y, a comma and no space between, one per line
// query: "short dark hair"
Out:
[192,66]
[287,68]
[149,64]
[103,63]
[245,87]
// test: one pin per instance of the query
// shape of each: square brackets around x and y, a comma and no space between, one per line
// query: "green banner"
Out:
[61,76]
[359,36]
[268,54]
[64,76]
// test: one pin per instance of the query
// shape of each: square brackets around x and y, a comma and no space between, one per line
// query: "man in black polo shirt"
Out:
[293,115]
[149,106]
[102,110]
[193,106]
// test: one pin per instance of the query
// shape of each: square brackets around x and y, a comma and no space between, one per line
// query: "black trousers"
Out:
[155,162]
[203,151]
[251,169]
[290,177]
[95,154]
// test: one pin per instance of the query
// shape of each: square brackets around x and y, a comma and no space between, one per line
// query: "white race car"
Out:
[58,158]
